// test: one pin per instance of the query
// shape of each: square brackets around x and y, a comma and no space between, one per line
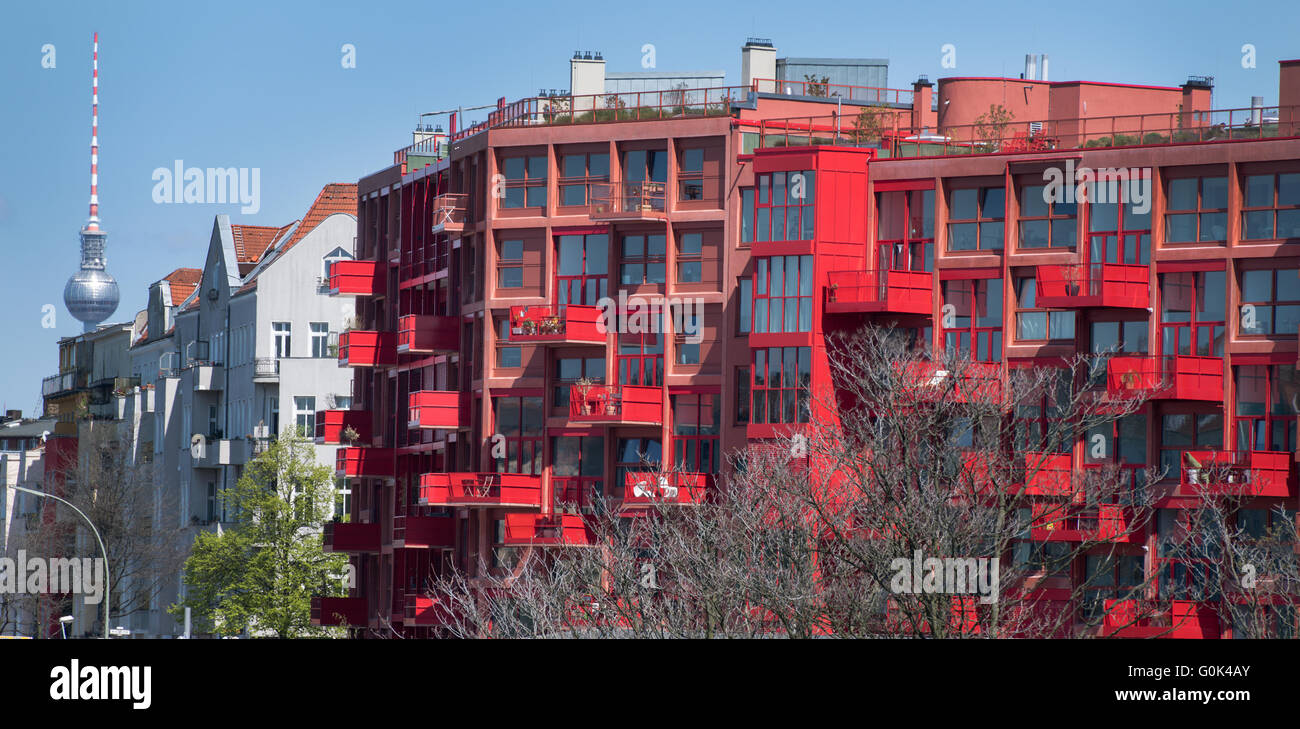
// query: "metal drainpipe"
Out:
[225,395]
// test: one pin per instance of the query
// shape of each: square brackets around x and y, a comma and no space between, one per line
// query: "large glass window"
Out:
[1267,396]
[578,471]
[578,172]
[1186,432]
[695,432]
[1034,324]
[690,258]
[569,370]
[507,356]
[972,318]
[975,218]
[1270,301]
[1192,311]
[783,287]
[1271,209]
[785,206]
[581,276]
[905,230]
[525,181]
[304,415]
[1045,224]
[320,339]
[643,259]
[1197,210]
[780,389]
[510,264]
[519,421]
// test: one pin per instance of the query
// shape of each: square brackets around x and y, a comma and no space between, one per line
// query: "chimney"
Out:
[1042,67]
[586,75]
[924,117]
[1257,110]
[758,61]
[1031,67]
[1288,97]
[1196,100]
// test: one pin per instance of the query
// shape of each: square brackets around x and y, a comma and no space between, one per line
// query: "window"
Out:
[1040,324]
[783,287]
[510,265]
[975,218]
[577,470]
[690,249]
[1184,432]
[690,175]
[1266,414]
[636,455]
[745,311]
[519,420]
[304,415]
[273,416]
[1270,301]
[695,432]
[578,173]
[643,259]
[645,165]
[212,502]
[1038,424]
[525,182]
[1182,573]
[1271,209]
[785,207]
[343,498]
[641,355]
[688,334]
[1121,443]
[1192,311]
[1114,337]
[1110,577]
[569,370]
[746,215]
[781,378]
[281,330]
[972,318]
[320,339]
[1045,224]
[581,277]
[213,431]
[742,396]
[905,230]
[1198,210]
[507,356]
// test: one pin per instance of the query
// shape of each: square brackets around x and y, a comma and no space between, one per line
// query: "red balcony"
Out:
[889,292]
[1237,473]
[644,489]
[629,201]
[340,611]
[449,212]
[424,610]
[491,490]
[1170,377]
[1108,285]
[357,278]
[550,530]
[931,382]
[428,334]
[364,462]
[1038,474]
[570,324]
[1048,474]
[618,404]
[351,537]
[1057,522]
[331,424]
[424,532]
[1168,619]
[448,409]
[360,348]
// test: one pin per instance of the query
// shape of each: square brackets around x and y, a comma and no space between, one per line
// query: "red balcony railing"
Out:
[424,532]
[493,490]
[424,610]
[1048,474]
[364,462]
[616,404]
[332,424]
[350,537]
[1168,619]
[356,278]
[931,382]
[570,324]
[447,409]
[1059,522]
[646,488]
[845,92]
[551,530]
[361,348]
[629,201]
[428,334]
[351,611]
[1177,377]
[1237,473]
[892,292]
[449,212]
[1111,285]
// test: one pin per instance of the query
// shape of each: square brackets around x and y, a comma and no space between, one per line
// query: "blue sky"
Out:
[260,84]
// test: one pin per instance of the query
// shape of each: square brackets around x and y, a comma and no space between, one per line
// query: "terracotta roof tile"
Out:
[251,241]
[183,282]
[336,197]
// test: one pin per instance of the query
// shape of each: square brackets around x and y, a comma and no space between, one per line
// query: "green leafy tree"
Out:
[260,575]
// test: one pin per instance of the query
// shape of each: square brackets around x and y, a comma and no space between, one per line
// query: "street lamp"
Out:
[108,580]
[64,622]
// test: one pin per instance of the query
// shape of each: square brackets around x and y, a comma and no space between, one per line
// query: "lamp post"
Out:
[108,581]
[64,622]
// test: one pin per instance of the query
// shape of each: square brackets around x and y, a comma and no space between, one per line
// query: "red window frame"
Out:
[530,184]
[781,379]
[640,359]
[585,489]
[1272,304]
[587,287]
[1056,217]
[1272,210]
[560,383]
[1026,289]
[774,202]
[995,240]
[765,320]
[911,246]
[1273,429]
[522,446]
[645,259]
[984,342]
[1204,337]
[694,445]
[583,181]
[1205,217]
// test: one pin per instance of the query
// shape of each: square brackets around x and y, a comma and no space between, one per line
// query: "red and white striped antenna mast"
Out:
[93,222]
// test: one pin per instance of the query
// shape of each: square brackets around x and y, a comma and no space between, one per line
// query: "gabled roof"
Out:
[336,197]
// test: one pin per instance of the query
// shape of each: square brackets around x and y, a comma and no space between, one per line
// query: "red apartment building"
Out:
[481,255]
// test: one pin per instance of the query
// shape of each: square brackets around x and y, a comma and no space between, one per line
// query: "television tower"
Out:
[91,294]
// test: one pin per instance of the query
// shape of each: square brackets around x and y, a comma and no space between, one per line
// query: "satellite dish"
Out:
[197,445]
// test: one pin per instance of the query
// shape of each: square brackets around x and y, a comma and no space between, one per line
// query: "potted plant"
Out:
[611,406]
[551,325]
[1194,470]
[584,390]
[351,435]
[527,327]
[833,289]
